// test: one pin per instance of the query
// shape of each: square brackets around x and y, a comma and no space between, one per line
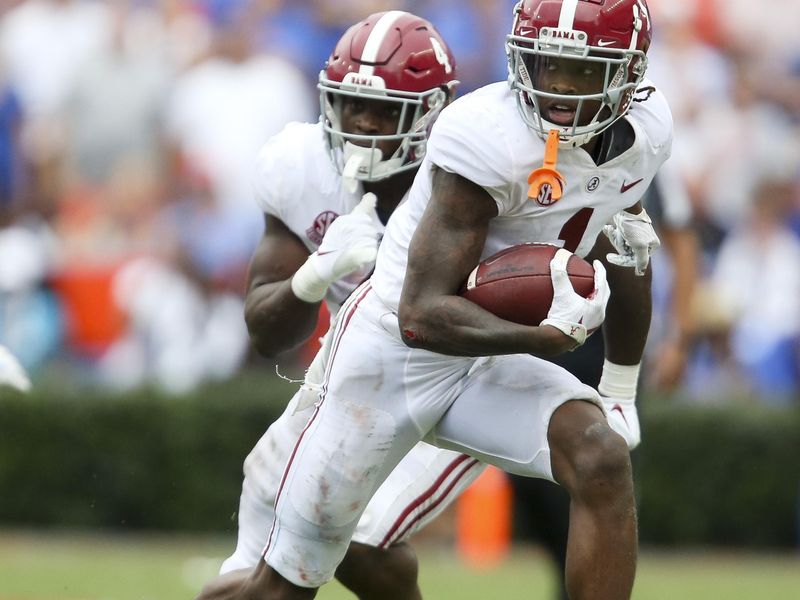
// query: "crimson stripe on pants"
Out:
[389,538]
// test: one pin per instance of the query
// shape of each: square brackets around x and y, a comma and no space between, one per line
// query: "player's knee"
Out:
[381,574]
[587,457]
[602,466]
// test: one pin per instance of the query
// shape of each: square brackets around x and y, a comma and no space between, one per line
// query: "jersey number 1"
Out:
[572,231]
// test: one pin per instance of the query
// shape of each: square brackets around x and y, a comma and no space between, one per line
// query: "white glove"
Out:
[570,312]
[623,418]
[634,239]
[350,244]
[12,374]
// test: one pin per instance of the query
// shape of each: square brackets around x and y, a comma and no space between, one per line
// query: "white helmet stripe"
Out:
[375,40]
[567,17]
[638,12]
[635,36]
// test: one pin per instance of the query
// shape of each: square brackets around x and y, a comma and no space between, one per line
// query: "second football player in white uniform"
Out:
[577,138]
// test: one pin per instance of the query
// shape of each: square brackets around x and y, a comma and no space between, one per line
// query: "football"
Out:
[515,283]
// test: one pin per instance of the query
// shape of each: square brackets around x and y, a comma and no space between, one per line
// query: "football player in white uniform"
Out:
[576,138]
[384,84]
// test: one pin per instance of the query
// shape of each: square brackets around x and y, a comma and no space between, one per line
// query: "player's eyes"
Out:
[355,106]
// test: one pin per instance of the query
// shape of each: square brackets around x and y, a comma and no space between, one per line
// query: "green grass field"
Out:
[42,566]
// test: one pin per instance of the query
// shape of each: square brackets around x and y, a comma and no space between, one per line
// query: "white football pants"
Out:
[378,400]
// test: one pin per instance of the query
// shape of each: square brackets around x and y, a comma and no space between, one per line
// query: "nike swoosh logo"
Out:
[626,186]
[618,408]
[605,42]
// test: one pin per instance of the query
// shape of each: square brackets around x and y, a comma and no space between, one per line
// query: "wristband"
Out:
[618,381]
[307,284]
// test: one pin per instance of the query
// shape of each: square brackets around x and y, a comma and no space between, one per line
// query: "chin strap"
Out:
[546,183]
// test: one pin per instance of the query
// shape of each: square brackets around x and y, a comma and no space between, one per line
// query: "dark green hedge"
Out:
[705,475]
[722,474]
[140,460]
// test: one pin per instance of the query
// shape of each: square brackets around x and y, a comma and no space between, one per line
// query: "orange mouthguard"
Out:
[547,173]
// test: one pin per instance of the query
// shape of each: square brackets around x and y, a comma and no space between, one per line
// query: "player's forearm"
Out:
[628,315]
[454,326]
[627,320]
[277,320]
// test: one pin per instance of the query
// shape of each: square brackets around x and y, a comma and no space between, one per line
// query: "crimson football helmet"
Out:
[396,57]
[611,36]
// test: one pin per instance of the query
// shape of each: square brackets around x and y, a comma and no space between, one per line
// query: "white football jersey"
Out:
[482,137]
[296,182]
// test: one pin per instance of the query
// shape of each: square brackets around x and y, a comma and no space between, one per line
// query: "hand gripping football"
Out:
[515,283]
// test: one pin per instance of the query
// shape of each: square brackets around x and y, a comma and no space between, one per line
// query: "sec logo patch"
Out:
[593,184]
[545,195]
[320,225]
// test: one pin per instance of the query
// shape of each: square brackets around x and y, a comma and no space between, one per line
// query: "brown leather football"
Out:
[515,283]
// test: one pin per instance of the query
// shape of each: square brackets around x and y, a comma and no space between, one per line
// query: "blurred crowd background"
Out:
[128,130]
